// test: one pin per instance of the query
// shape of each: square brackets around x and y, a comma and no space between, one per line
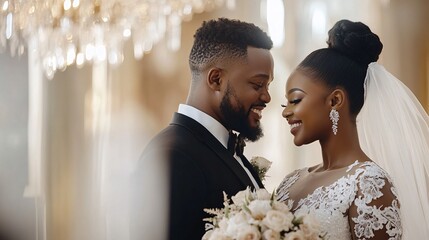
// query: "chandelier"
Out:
[66,32]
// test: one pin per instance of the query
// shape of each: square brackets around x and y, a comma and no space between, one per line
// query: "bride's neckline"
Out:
[312,170]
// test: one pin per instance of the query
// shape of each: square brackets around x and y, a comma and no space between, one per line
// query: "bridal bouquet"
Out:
[257,215]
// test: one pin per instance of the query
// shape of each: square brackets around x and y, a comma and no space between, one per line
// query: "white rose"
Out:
[217,234]
[281,206]
[253,221]
[271,235]
[263,194]
[235,223]
[223,224]
[278,221]
[310,227]
[298,235]
[249,233]
[240,197]
[259,208]
[261,162]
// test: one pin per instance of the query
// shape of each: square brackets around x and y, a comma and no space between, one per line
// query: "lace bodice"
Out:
[354,204]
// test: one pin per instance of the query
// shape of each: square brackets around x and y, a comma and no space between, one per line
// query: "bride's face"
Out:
[307,108]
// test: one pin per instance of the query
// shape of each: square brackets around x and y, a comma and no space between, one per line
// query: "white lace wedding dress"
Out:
[359,188]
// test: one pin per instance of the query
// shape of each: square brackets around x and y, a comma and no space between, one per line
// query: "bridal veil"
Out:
[394,132]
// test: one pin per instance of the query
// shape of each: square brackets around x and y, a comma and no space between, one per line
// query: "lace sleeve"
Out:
[374,214]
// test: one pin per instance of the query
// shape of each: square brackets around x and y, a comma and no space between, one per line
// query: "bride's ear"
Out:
[337,98]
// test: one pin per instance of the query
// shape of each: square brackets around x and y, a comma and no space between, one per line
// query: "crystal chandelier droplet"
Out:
[80,31]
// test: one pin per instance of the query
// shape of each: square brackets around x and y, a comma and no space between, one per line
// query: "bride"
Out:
[368,186]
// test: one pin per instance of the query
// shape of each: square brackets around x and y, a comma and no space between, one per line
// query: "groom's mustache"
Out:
[259,105]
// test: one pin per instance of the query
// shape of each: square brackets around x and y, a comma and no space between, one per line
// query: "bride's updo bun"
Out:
[355,40]
[344,63]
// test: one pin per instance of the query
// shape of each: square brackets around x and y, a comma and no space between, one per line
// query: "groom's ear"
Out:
[214,78]
[337,98]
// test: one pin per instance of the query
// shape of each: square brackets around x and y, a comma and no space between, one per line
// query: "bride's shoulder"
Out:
[295,174]
[368,165]
[370,169]
[299,172]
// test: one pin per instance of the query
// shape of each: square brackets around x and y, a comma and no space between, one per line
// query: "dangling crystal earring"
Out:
[334,115]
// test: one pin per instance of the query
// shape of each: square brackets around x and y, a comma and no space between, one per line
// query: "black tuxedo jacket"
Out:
[199,169]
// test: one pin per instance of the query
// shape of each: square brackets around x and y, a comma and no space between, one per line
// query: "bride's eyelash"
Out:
[295,101]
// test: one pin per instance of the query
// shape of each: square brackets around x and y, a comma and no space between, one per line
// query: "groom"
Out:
[231,68]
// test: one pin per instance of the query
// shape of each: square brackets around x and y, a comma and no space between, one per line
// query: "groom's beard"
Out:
[238,119]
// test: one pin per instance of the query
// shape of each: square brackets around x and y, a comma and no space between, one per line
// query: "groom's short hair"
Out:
[224,39]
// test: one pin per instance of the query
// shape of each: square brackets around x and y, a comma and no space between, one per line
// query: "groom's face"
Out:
[246,93]
[238,117]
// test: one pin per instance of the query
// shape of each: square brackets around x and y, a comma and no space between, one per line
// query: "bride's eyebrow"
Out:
[295,90]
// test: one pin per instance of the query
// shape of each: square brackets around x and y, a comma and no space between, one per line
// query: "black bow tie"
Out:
[236,144]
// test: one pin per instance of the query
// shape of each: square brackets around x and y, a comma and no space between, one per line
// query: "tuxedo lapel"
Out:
[209,140]
[252,170]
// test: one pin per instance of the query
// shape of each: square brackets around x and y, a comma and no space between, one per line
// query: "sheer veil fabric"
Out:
[394,132]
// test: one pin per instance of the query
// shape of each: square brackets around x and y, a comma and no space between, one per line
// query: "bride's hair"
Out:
[351,47]
[355,40]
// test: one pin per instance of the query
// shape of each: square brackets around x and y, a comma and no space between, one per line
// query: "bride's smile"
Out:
[294,126]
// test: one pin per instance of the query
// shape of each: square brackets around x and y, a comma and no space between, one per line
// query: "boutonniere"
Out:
[261,166]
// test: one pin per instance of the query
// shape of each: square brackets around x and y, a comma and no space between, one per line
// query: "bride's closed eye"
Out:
[295,101]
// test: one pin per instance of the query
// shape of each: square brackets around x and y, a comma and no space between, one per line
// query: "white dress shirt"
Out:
[216,129]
